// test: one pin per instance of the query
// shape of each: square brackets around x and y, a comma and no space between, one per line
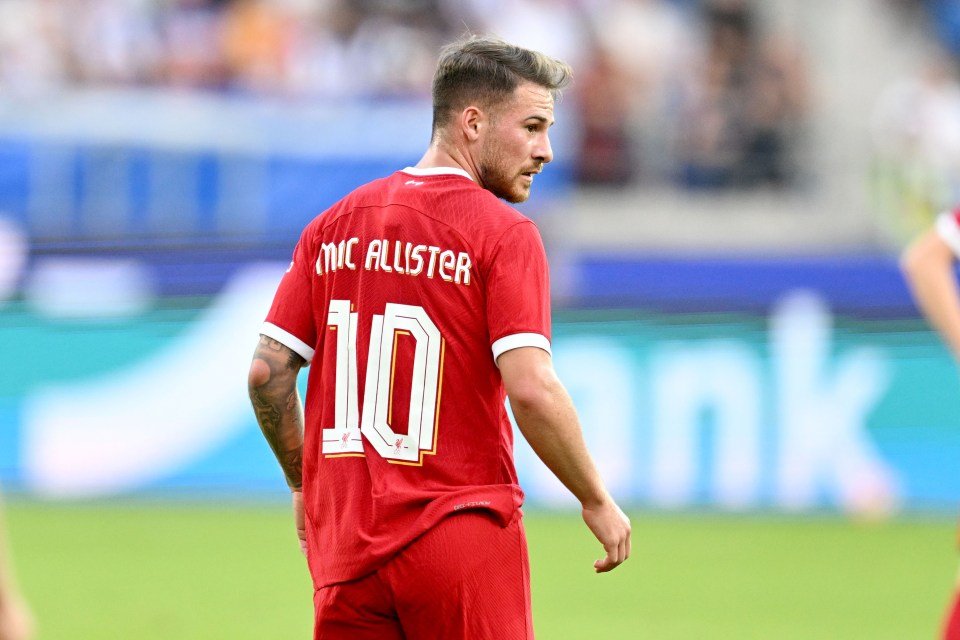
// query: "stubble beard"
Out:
[496,179]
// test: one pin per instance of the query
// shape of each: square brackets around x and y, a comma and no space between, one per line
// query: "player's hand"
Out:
[16,621]
[611,527]
[298,518]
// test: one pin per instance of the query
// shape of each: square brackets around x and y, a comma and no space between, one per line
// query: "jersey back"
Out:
[402,295]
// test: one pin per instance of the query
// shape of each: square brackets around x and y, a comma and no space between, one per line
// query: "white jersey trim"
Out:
[518,340]
[948,230]
[437,171]
[288,339]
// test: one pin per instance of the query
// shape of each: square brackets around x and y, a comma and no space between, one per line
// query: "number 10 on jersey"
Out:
[373,422]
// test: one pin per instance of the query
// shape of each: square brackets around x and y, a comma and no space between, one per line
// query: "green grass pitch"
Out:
[206,571]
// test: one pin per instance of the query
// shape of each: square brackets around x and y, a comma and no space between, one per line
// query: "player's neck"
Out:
[439,155]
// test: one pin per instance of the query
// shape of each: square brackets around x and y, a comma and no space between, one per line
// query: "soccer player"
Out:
[928,266]
[420,301]
[16,622]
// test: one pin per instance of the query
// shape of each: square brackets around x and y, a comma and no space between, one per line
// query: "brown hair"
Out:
[485,70]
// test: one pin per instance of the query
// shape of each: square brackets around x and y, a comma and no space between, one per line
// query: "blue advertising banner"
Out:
[797,401]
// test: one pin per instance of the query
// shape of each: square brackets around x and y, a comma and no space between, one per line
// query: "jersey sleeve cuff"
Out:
[949,231]
[517,340]
[288,339]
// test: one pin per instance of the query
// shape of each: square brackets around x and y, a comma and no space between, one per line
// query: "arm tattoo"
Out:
[294,359]
[268,417]
[277,406]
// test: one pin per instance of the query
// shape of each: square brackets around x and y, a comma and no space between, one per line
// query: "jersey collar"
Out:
[437,171]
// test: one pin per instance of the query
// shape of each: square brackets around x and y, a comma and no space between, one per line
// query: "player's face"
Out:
[517,145]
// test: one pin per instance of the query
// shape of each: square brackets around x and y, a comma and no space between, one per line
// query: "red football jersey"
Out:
[407,290]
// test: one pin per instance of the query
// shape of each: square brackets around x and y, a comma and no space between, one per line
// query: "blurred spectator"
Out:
[320,51]
[744,105]
[395,51]
[349,50]
[555,27]
[111,41]
[606,151]
[31,47]
[192,41]
[916,133]
[255,44]
[777,107]
[628,87]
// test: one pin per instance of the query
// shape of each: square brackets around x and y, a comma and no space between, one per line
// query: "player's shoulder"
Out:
[361,195]
[497,208]
[491,222]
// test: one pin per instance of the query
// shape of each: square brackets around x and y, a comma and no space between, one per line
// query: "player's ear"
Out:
[472,122]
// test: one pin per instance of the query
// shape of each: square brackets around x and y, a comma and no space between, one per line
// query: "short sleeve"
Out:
[518,291]
[290,319]
[948,228]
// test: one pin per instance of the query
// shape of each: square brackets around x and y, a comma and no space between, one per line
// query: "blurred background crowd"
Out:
[843,117]
[699,93]
[689,94]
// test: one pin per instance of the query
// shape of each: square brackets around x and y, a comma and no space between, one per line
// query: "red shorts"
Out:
[468,578]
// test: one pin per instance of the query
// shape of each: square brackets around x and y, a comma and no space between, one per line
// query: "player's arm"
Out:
[548,421]
[16,622]
[272,385]
[927,265]
[276,402]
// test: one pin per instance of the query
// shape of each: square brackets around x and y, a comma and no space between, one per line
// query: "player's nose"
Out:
[543,152]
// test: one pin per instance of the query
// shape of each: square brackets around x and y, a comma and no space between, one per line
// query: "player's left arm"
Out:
[548,421]
[928,267]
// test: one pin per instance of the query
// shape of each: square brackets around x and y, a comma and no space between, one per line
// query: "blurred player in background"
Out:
[16,622]
[928,265]
[420,300]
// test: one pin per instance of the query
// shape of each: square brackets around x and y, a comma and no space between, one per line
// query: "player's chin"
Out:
[518,194]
